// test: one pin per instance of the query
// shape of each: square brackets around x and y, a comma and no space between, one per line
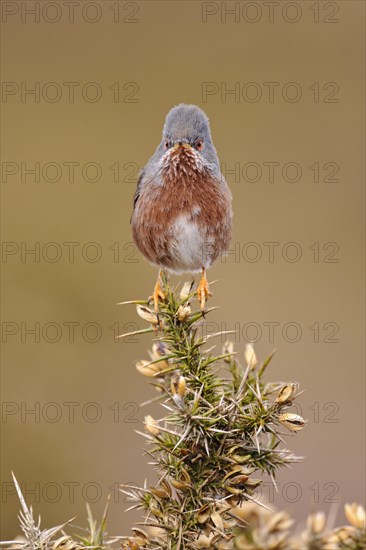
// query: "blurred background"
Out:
[86,87]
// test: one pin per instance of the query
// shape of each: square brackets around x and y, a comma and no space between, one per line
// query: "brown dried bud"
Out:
[141,537]
[66,543]
[183,313]
[204,513]
[131,544]
[183,482]
[285,393]
[163,491]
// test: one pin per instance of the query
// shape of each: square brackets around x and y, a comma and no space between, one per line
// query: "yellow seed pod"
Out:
[294,422]
[151,425]
[145,369]
[355,513]
[250,356]
[146,314]
[182,387]
[316,522]
[178,386]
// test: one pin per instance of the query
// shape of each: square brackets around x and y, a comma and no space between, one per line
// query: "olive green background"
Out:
[168,53]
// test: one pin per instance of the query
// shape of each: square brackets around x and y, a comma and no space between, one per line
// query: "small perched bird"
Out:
[182,216]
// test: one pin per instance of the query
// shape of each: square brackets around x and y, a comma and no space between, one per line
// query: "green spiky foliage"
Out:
[220,434]
[95,535]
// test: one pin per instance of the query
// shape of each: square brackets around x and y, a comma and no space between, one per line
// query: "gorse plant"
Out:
[223,430]
[220,434]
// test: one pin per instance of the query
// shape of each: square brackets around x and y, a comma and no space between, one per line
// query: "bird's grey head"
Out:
[186,123]
[187,136]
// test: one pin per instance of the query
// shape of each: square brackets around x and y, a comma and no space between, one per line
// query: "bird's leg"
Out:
[203,290]
[158,292]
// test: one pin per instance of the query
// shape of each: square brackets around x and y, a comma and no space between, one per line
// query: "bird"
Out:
[182,208]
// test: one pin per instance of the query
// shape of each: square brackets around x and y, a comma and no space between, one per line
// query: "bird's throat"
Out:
[182,163]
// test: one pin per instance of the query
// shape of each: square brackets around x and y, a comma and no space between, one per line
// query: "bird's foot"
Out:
[203,291]
[158,295]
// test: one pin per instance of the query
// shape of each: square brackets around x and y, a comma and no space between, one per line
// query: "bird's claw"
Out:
[158,295]
[203,292]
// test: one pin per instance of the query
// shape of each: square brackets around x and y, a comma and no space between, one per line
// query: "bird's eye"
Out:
[166,144]
[199,144]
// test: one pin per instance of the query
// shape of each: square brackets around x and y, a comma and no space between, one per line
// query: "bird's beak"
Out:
[181,144]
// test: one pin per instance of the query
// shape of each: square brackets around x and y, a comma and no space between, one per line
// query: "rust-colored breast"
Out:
[186,204]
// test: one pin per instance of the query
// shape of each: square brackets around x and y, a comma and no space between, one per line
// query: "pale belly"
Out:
[190,246]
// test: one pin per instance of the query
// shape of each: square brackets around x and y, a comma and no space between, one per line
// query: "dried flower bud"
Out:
[163,491]
[280,521]
[130,544]
[341,535]
[151,425]
[355,513]
[154,509]
[183,313]
[294,422]
[217,520]
[186,290]
[204,513]
[204,541]
[250,356]
[228,349]
[66,543]
[147,315]
[285,393]
[158,350]
[178,388]
[316,522]
[141,537]
[253,483]
[182,386]
[183,482]
[145,369]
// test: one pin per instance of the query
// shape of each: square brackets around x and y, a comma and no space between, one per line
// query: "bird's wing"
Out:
[138,189]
